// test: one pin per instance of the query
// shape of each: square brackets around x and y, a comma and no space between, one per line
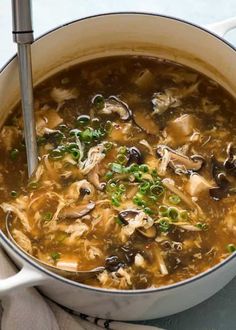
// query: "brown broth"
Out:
[130,185]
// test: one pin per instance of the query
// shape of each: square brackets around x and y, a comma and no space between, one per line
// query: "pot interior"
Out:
[122,33]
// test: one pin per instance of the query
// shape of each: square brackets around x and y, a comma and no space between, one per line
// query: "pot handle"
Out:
[222,27]
[26,277]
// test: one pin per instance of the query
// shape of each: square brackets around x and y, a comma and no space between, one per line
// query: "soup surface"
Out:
[137,173]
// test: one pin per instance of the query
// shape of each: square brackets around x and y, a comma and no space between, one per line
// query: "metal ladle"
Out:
[23,36]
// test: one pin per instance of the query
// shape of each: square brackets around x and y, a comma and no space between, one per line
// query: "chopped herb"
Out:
[98,101]
[57,153]
[75,153]
[75,132]
[114,200]
[108,146]
[148,211]
[83,120]
[144,168]
[164,224]
[117,220]
[117,168]
[173,213]
[163,210]
[47,216]
[55,256]
[108,175]
[14,194]
[41,140]
[231,248]
[202,225]
[33,185]
[86,135]
[144,187]
[183,214]
[14,153]
[108,126]
[121,159]
[122,150]
[174,199]
[157,189]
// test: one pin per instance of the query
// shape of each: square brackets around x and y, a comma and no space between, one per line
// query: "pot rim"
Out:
[104,290]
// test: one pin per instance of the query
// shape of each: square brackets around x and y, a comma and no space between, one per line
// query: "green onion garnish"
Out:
[14,193]
[55,256]
[144,187]
[163,210]
[173,213]
[164,224]
[144,168]
[231,248]
[121,159]
[14,153]
[122,150]
[174,199]
[33,185]
[115,201]
[47,216]
[202,225]
[117,168]
[75,153]
[157,189]
[98,101]
[83,120]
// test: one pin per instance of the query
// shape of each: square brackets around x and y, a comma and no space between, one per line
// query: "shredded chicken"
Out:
[95,156]
[22,240]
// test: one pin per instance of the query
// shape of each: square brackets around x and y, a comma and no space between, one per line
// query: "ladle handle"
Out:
[23,36]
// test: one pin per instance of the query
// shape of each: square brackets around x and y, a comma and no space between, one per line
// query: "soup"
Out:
[137,173]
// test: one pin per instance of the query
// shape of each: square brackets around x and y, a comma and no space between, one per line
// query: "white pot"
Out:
[104,35]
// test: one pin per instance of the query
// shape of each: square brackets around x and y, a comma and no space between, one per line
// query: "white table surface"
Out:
[218,312]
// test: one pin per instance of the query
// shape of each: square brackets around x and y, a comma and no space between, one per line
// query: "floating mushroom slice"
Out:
[135,156]
[144,121]
[179,161]
[78,211]
[114,105]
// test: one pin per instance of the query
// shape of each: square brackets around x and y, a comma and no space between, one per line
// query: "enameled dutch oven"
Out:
[115,34]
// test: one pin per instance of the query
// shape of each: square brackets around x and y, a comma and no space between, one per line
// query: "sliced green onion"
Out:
[121,159]
[164,224]
[133,168]
[47,216]
[75,132]
[117,220]
[75,153]
[117,168]
[183,215]
[108,175]
[144,168]
[157,190]
[163,210]
[122,188]
[148,211]
[14,194]
[138,175]
[86,135]
[108,126]
[231,248]
[202,225]
[173,213]
[57,153]
[122,150]
[41,140]
[115,201]
[144,187]
[98,101]
[174,199]
[33,185]
[83,120]
[108,145]
[55,256]
[14,153]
